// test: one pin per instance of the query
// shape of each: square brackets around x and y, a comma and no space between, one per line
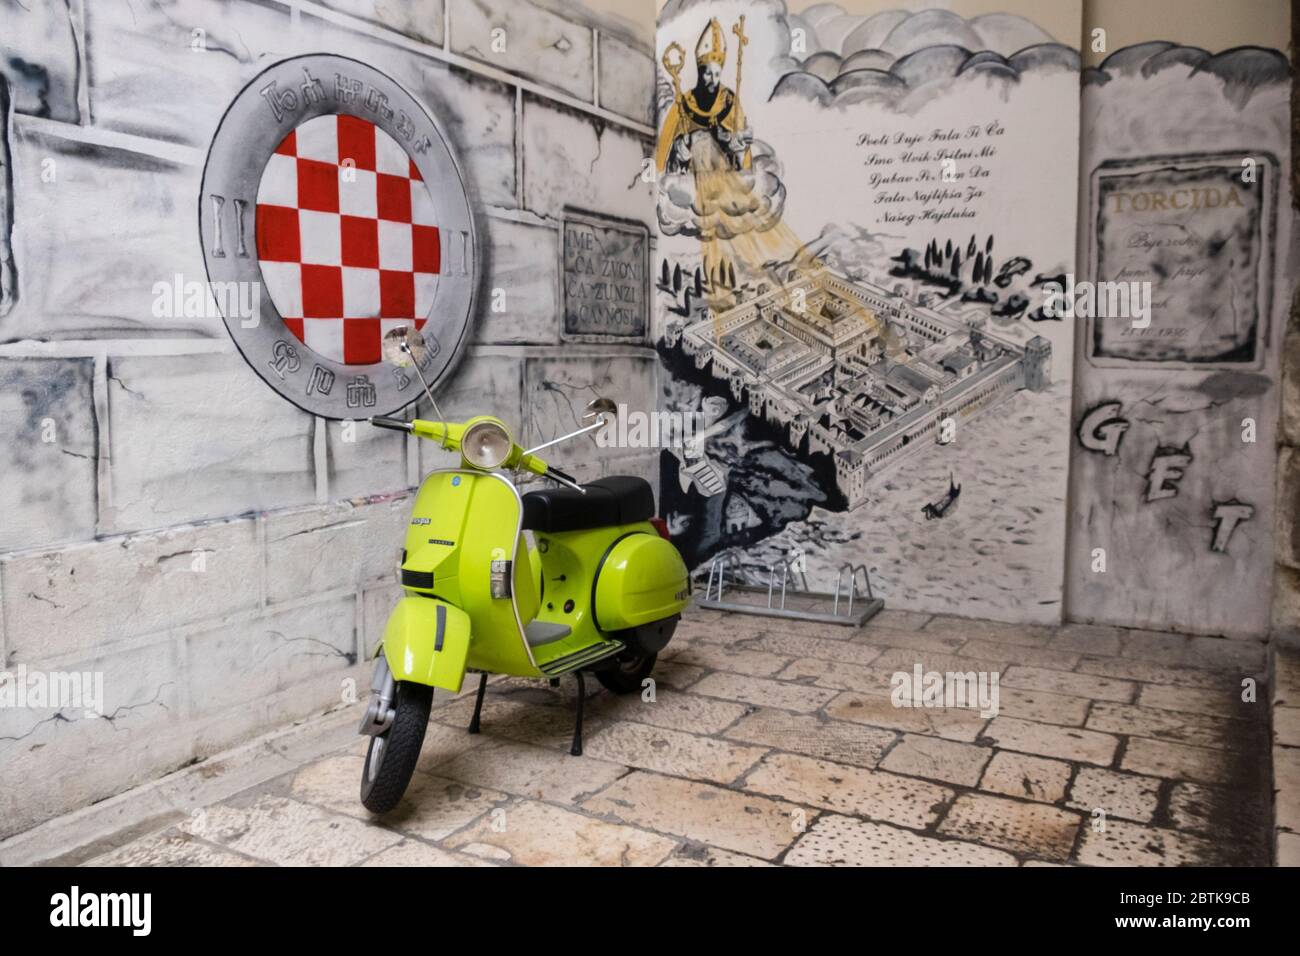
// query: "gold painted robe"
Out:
[686,117]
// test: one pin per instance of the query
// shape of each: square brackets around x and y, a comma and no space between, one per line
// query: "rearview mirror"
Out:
[403,346]
[598,407]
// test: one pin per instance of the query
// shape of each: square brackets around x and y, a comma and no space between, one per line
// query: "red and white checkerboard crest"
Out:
[347,237]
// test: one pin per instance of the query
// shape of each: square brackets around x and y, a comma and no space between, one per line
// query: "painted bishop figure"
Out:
[705,130]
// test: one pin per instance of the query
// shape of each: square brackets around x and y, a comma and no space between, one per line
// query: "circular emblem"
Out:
[333,211]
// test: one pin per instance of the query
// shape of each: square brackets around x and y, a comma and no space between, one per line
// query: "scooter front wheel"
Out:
[392,755]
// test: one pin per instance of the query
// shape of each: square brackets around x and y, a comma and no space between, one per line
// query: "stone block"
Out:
[523,276]
[200,436]
[343,545]
[249,660]
[40,50]
[525,39]
[48,452]
[418,19]
[95,231]
[65,602]
[574,160]
[627,80]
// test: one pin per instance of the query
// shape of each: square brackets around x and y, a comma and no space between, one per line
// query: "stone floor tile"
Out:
[1222,701]
[764,693]
[672,709]
[699,854]
[843,841]
[742,822]
[937,759]
[897,619]
[675,675]
[790,645]
[852,790]
[735,660]
[442,741]
[1156,646]
[814,735]
[290,833]
[1198,730]
[1123,795]
[1286,673]
[1048,740]
[1075,685]
[1030,829]
[436,806]
[1131,844]
[1286,726]
[415,853]
[1092,639]
[1160,758]
[545,725]
[1193,806]
[1011,653]
[1030,635]
[672,752]
[1286,781]
[952,723]
[533,772]
[838,675]
[896,659]
[170,848]
[1042,706]
[431,808]
[1288,849]
[1030,778]
[1148,672]
[538,834]
[1221,653]
[914,640]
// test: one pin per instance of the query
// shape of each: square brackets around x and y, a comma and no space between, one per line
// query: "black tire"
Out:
[627,672]
[397,749]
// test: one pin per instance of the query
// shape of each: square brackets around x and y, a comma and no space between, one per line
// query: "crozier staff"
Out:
[710,110]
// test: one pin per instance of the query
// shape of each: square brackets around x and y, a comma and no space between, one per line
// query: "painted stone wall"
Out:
[222,558]
[1184,184]
[853,310]
[1286,578]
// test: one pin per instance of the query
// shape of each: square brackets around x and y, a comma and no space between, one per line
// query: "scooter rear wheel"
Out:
[392,755]
[627,672]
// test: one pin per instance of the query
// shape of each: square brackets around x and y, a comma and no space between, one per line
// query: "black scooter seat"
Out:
[618,499]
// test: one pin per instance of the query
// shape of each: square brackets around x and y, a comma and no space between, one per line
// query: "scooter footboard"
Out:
[426,641]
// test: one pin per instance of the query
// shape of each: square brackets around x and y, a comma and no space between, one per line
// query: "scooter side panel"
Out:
[427,641]
[642,579]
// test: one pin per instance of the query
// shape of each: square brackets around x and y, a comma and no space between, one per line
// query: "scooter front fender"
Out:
[426,641]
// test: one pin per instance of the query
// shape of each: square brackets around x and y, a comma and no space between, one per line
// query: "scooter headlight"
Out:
[485,445]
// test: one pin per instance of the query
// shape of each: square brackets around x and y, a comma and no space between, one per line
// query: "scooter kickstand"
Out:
[576,749]
[478,703]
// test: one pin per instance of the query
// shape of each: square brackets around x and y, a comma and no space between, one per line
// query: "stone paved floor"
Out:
[777,742]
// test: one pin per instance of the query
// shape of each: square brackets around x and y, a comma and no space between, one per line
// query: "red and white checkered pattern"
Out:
[347,237]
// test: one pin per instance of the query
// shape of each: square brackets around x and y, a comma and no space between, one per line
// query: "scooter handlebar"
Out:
[396,424]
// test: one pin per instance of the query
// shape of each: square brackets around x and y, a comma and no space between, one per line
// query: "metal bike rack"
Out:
[787,593]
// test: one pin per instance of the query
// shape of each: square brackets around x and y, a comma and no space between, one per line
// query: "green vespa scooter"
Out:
[561,581]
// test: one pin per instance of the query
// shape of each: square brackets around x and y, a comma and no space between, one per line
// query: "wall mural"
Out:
[332,212]
[1173,467]
[860,216]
